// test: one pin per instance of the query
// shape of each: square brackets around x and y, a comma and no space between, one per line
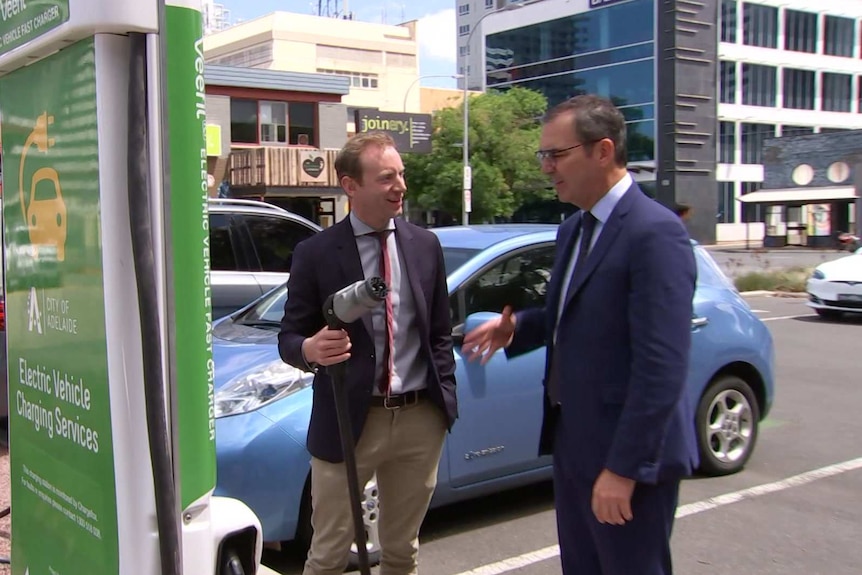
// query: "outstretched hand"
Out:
[495,334]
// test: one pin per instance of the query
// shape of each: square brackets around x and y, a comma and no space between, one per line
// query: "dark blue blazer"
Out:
[329,261]
[623,344]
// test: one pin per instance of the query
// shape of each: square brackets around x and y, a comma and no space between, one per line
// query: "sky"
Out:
[437,47]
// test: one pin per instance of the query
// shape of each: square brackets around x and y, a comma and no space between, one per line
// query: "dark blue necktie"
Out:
[588,226]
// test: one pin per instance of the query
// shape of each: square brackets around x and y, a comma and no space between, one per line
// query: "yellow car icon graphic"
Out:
[46,218]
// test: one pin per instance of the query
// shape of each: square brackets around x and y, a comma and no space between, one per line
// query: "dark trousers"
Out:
[640,547]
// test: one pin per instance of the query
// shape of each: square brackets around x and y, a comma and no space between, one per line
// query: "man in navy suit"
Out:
[400,364]
[617,327]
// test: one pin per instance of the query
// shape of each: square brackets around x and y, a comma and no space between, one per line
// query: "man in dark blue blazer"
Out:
[400,365]
[617,327]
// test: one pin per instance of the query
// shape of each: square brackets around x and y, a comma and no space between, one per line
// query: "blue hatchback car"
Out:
[263,406]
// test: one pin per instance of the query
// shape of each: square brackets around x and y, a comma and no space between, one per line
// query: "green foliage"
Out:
[504,135]
[783,280]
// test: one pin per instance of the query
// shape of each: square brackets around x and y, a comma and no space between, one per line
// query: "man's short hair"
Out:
[595,118]
[347,162]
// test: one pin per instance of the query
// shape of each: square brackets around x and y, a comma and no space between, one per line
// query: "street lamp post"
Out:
[413,83]
[467,196]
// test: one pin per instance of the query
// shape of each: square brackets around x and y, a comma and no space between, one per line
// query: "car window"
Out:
[274,240]
[519,280]
[222,244]
[708,272]
[454,258]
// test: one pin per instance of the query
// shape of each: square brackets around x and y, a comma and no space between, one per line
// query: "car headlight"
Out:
[267,383]
[818,275]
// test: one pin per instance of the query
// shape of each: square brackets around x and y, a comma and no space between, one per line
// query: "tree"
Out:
[504,135]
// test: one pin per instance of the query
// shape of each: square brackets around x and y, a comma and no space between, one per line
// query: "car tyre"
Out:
[830,314]
[371,514]
[727,420]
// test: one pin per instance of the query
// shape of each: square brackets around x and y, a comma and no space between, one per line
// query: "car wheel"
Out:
[371,517]
[727,423]
[828,313]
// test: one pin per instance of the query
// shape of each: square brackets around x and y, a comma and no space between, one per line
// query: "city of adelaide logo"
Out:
[34,314]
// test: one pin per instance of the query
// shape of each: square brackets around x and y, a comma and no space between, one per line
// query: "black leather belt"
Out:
[399,401]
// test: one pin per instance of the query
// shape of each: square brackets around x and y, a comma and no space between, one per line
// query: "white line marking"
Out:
[513,563]
[758,490]
[526,559]
[788,317]
[760,311]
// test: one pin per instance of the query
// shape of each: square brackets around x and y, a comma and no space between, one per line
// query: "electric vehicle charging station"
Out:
[111,423]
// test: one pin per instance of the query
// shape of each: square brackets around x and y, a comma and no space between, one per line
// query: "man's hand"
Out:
[485,340]
[612,498]
[327,347]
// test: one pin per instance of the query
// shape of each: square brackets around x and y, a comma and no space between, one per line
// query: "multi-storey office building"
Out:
[702,84]
[787,68]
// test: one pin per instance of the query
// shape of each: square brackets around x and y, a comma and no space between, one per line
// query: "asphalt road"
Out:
[737,261]
[795,510]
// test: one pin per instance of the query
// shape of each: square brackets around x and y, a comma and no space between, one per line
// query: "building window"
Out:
[464,30]
[726,202]
[758,85]
[464,50]
[752,212]
[788,131]
[267,122]
[489,4]
[243,121]
[833,130]
[300,121]
[836,92]
[257,55]
[728,21]
[273,122]
[799,91]
[839,36]
[463,9]
[727,71]
[800,31]
[357,79]
[760,25]
[753,136]
[726,142]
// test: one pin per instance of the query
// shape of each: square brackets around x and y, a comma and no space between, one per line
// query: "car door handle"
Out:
[697,322]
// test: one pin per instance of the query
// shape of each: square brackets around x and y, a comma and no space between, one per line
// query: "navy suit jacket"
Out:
[623,344]
[329,261]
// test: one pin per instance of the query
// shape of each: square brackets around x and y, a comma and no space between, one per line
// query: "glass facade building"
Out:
[609,51]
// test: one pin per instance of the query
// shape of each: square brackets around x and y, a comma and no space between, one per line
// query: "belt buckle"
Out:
[405,397]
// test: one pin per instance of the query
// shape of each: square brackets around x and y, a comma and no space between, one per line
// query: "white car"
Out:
[835,287]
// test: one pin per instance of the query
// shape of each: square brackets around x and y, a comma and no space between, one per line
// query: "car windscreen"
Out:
[267,310]
[454,258]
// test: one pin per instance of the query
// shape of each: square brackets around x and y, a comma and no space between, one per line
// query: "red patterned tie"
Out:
[386,274]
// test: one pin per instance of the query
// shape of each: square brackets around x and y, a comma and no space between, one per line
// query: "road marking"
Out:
[521,561]
[760,311]
[758,490]
[788,317]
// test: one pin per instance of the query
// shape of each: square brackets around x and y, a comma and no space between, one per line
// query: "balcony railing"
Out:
[277,166]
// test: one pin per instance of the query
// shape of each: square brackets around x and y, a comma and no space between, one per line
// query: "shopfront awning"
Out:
[800,195]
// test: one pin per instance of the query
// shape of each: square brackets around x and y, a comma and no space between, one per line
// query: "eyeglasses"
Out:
[553,154]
